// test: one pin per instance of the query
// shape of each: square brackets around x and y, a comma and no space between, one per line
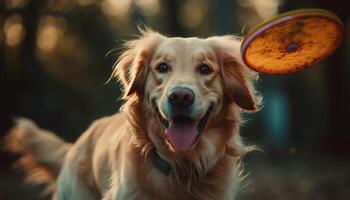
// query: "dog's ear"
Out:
[237,84]
[236,77]
[131,67]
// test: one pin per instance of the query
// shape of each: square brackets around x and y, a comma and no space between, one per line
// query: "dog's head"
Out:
[191,88]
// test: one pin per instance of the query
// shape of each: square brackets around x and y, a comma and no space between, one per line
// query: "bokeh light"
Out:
[10,4]
[86,2]
[251,12]
[192,12]
[61,5]
[115,8]
[148,7]
[49,33]
[264,8]
[14,30]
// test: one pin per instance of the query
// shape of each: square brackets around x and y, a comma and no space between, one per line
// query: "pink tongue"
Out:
[182,134]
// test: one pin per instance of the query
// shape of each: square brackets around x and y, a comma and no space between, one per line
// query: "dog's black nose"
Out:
[181,97]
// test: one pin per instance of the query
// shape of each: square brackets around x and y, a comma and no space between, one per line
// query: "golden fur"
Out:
[111,159]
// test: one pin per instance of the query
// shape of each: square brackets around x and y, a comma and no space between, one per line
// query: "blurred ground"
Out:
[297,178]
[294,178]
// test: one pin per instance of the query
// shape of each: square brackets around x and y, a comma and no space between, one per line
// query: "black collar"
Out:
[159,162]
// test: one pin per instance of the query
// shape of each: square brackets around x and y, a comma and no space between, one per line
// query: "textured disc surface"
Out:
[292,41]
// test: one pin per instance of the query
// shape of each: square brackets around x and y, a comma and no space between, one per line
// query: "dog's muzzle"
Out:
[180,100]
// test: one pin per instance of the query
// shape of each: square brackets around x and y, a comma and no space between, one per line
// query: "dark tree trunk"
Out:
[338,134]
[173,6]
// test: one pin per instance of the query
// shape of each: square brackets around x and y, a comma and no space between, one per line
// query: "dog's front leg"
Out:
[117,194]
[124,191]
[71,185]
[110,195]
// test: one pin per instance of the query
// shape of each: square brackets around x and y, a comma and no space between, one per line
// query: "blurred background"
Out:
[57,54]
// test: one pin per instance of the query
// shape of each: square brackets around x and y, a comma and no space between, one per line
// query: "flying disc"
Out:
[292,41]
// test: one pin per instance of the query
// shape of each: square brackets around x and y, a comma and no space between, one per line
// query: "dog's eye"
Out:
[204,69]
[162,68]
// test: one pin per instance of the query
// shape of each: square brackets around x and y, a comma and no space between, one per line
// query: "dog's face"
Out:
[183,85]
[187,83]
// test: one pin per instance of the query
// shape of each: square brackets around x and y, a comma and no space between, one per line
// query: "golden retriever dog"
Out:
[176,136]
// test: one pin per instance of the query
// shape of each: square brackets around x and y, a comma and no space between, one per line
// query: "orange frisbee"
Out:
[292,41]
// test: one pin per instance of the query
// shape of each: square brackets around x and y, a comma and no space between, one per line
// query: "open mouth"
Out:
[182,131]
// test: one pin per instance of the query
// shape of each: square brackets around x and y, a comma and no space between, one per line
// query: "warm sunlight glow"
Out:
[49,34]
[149,7]
[192,13]
[264,8]
[116,8]
[14,31]
[86,2]
[60,5]
[9,4]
